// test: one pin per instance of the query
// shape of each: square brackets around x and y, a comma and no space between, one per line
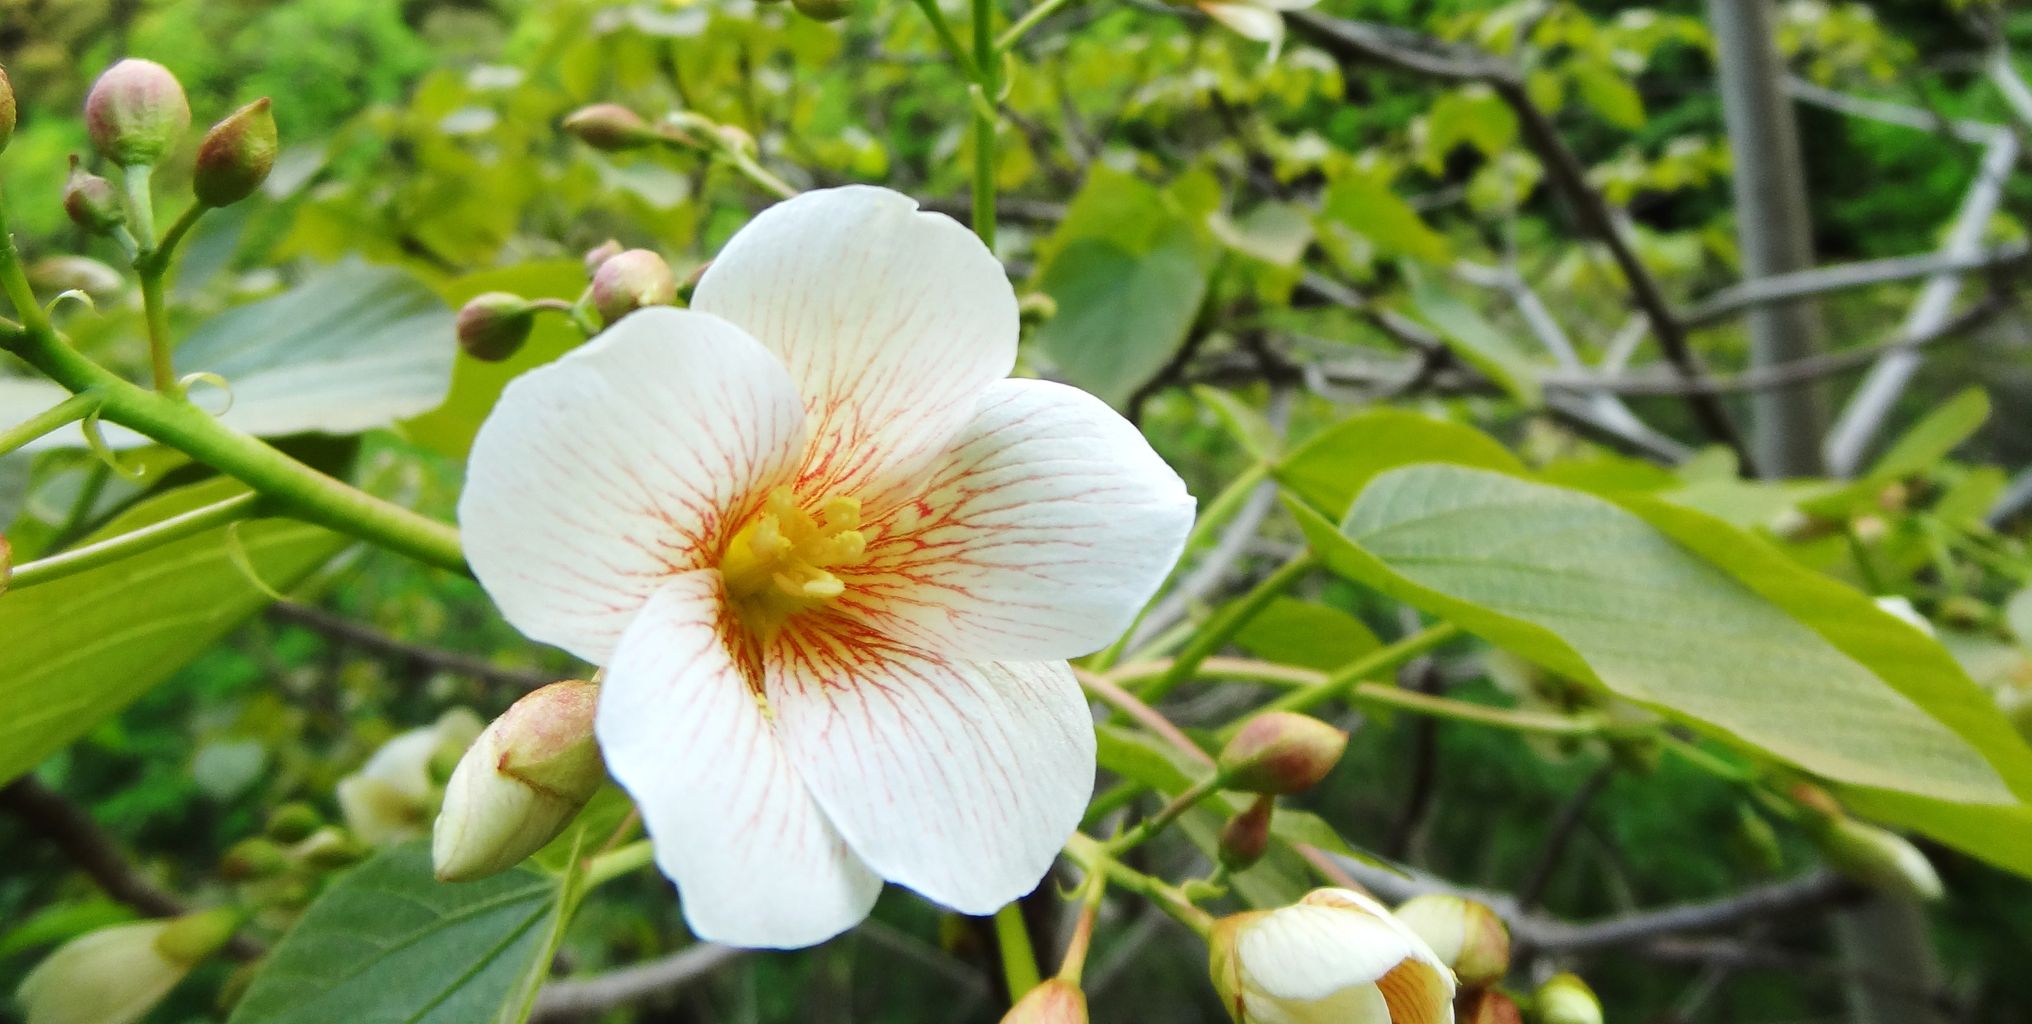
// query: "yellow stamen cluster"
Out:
[778,564]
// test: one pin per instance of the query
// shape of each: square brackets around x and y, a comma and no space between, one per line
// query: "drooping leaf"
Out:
[1298,632]
[1589,589]
[388,942]
[80,648]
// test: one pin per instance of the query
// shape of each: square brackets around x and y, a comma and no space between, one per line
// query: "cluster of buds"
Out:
[1273,754]
[494,326]
[530,772]
[115,975]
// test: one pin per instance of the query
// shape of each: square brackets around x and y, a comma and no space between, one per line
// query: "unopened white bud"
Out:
[520,784]
[1466,935]
[389,799]
[116,975]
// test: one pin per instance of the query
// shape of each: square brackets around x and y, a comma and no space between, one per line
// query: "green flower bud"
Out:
[1878,858]
[1466,935]
[236,155]
[493,326]
[1281,752]
[251,858]
[329,849]
[1246,836]
[824,10]
[631,280]
[293,822]
[1565,999]
[1056,1001]
[609,128]
[92,202]
[6,110]
[115,975]
[135,112]
[523,781]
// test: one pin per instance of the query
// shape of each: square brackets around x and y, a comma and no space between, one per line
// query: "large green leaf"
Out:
[388,942]
[1587,588]
[1121,315]
[1333,465]
[79,649]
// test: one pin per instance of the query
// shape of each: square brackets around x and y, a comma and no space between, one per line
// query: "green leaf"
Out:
[1476,341]
[1121,316]
[1112,207]
[1296,632]
[1244,422]
[1333,465]
[1934,437]
[388,942]
[1609,92]
[81,648]
[1274,232]
[1472,114]
[1364,203]
[1587,588]
[476,386]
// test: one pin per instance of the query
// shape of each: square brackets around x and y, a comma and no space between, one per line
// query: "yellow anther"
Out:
[776,565]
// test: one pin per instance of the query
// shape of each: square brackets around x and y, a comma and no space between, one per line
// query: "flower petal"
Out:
[1039,535]
[754,859]
[891,321]
[960,780]
[599,476]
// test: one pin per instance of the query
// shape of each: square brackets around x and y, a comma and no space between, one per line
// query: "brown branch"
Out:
[95,852]
[342,630]
[638,983]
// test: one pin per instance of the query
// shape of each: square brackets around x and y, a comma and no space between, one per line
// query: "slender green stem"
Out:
[733,156]
[1215,634]
[1029,21]
[949,39]
[605,867]
[1344,679]
[987,67]
[127,545]
[15,283]
[1090,893]
[1171,812]
[1385,695]
[1092,856]
[1019,961]
[174,236]
[70,410]
[139,180]
[156,311]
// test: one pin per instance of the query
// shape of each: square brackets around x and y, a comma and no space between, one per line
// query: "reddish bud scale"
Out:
[92,202]
[1246,836]
[1487,1007]
[493,326]
[599,254]
[236,155]
[1056,1001]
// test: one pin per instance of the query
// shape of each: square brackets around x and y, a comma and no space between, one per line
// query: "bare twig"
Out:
[1563,827]
[1822,280]
[373,641]
[626,986]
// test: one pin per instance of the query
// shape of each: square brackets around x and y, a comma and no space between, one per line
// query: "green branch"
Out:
[127,545]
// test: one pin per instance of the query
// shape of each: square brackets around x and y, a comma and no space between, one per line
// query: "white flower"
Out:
[389,798]
[833,563]
[1334,957]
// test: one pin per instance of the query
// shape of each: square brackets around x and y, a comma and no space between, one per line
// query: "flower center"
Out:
[778,564]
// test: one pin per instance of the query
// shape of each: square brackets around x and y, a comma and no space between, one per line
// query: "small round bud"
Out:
[1878,858]
[92,202]
[236,155]
[522,782]
[1056,1001]
[1565,999]
[630,281]
[1246,836]
[1036,308]
[1488,1007]
[251,858]
[1466,935]
[293,822]
[599,254]
[1281,752]
[493,326]
[329,849]
[824,10]
[135,112]
[6,110]
[609,127]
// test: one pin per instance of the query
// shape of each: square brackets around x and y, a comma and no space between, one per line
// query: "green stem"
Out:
[1385,695]
[987,67]
[1092,856]
[949,39]
[1344,679]
[1019,961]
[156,312]
[70,410]
[1216,634]
[1029,21]
[159,259]
[140,204]
[15,283]
[1171,812]
[127,545]
[605,867]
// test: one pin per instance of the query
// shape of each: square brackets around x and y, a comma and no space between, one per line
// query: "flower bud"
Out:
[329,849]
[824,10]
[599,254]
[6,110]
[609,128]
[494,326]
[116,975]
[1488,1007]
[293,822]
[236,155]
[1281,752]
[522,782]
[631,280]
[1056,1001]
[1246,835]
[389,798]
[1466,935]
[1565,999]
[135,112]
[1309,962]
[252,858]
[1878,858]
[92,202]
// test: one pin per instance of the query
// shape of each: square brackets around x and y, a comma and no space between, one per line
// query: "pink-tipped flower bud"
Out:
[631,280]
[1246,836]
[1565,999]
[135,112]
[599,254]
[236,155]
[6,110]
[1056,1001]
[824,10]
[1281,752]
[609,127]
[1488,1007]
[1466,935]
[91,201]
[493,326]
[522,782]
